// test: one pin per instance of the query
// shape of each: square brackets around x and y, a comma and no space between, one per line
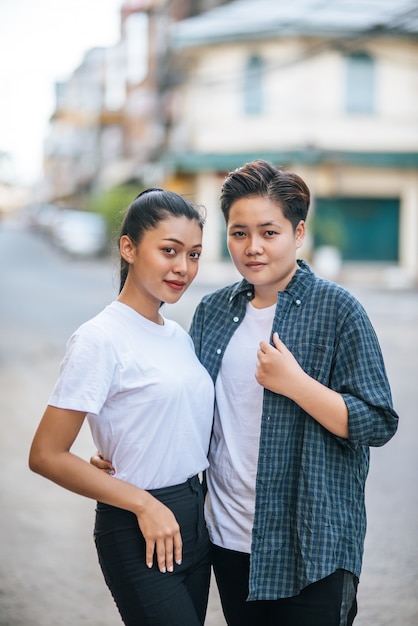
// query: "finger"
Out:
[106,465]
[161,555]
[149,552]
[278,343]
[264,346]
[99,462]
[169,554]
[178,548]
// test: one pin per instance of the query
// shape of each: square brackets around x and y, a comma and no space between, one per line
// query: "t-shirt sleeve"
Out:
[87,373]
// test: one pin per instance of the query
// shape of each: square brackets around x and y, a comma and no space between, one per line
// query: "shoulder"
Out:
[97,330]
[326,290]
[333,303]
[308,286]
[215,306]
[222,295]
[212,310]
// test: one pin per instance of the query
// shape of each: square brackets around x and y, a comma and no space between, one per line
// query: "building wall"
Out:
[304,109]
[304,98]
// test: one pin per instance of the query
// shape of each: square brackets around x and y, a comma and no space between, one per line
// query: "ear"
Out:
[127,249]
[300,233]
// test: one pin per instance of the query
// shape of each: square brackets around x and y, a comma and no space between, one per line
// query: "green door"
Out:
[365,229]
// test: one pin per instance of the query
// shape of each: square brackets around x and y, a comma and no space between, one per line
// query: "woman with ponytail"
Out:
[134,375]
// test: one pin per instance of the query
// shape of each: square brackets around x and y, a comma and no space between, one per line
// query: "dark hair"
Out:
[149,208]
[261,178]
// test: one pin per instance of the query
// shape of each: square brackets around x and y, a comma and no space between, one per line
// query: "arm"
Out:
[51,457]
[278,371]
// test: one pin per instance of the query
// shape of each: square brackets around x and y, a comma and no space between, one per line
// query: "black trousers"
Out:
[328,602]
[144,596]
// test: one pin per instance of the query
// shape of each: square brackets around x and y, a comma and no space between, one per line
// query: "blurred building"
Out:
[12,196]
[329,89]
[109,121]
[194,89]
[75,146]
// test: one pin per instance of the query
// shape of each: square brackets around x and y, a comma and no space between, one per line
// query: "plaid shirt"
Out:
[310,514]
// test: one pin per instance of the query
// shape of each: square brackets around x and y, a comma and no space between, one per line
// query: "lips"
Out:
[177,285]
[255,265]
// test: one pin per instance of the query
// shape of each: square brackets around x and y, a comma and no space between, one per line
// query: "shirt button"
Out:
[218,351]
[298,302]
[235,319]
[249,294]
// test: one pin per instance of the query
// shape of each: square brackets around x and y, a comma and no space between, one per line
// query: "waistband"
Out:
[192,482]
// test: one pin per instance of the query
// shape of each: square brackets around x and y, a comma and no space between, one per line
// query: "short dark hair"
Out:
[261,178]
[149,208]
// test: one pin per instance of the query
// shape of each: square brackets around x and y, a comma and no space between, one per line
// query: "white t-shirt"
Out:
[234,447]
[149,400]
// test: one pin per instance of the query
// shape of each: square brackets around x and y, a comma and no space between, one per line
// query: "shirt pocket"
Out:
[315,358]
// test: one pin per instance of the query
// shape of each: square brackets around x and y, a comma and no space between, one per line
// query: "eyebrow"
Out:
[181,243]
[275,224]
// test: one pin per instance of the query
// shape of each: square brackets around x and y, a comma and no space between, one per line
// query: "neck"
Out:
[149,310]
[262,301]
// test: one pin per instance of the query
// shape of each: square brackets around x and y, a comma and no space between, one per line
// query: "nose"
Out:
[254,246]
[180,266]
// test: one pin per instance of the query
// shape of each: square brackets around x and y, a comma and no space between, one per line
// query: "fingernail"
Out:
[171,568]
[163,570]
[178,562]
[149,565]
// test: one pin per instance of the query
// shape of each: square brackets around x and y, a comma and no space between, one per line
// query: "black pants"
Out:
[144,596]
[328,602]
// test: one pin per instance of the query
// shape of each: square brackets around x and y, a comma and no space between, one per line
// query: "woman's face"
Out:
[263,243]
[166,261]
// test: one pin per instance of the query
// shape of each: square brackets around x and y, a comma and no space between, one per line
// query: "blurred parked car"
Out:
[41,217]
[80,233]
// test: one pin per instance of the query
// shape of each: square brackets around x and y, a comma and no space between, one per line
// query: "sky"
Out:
[42,41]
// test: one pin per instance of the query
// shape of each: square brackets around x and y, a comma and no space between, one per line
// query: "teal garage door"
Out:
[365,229]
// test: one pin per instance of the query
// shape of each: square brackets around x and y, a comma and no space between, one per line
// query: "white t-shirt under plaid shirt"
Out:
[236,435]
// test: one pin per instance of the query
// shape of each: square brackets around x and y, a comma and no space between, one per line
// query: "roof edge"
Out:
[195,162]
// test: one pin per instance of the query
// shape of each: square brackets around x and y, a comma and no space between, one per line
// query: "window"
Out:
[253,85]
[360,83]
[136,42]
[364,229]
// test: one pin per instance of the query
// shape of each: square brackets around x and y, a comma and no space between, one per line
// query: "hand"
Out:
[161,532]
[158,526]
[98,461]
[278,371]
[277,368]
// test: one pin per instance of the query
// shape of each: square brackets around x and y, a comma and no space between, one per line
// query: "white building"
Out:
[328,89]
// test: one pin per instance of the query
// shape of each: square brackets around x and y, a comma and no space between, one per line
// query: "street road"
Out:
[48,567]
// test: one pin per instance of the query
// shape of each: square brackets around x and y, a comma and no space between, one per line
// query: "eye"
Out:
[169,251]
[270,233]
[238,234]
[195,255]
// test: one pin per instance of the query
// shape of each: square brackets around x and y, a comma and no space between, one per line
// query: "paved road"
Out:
[48,567]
